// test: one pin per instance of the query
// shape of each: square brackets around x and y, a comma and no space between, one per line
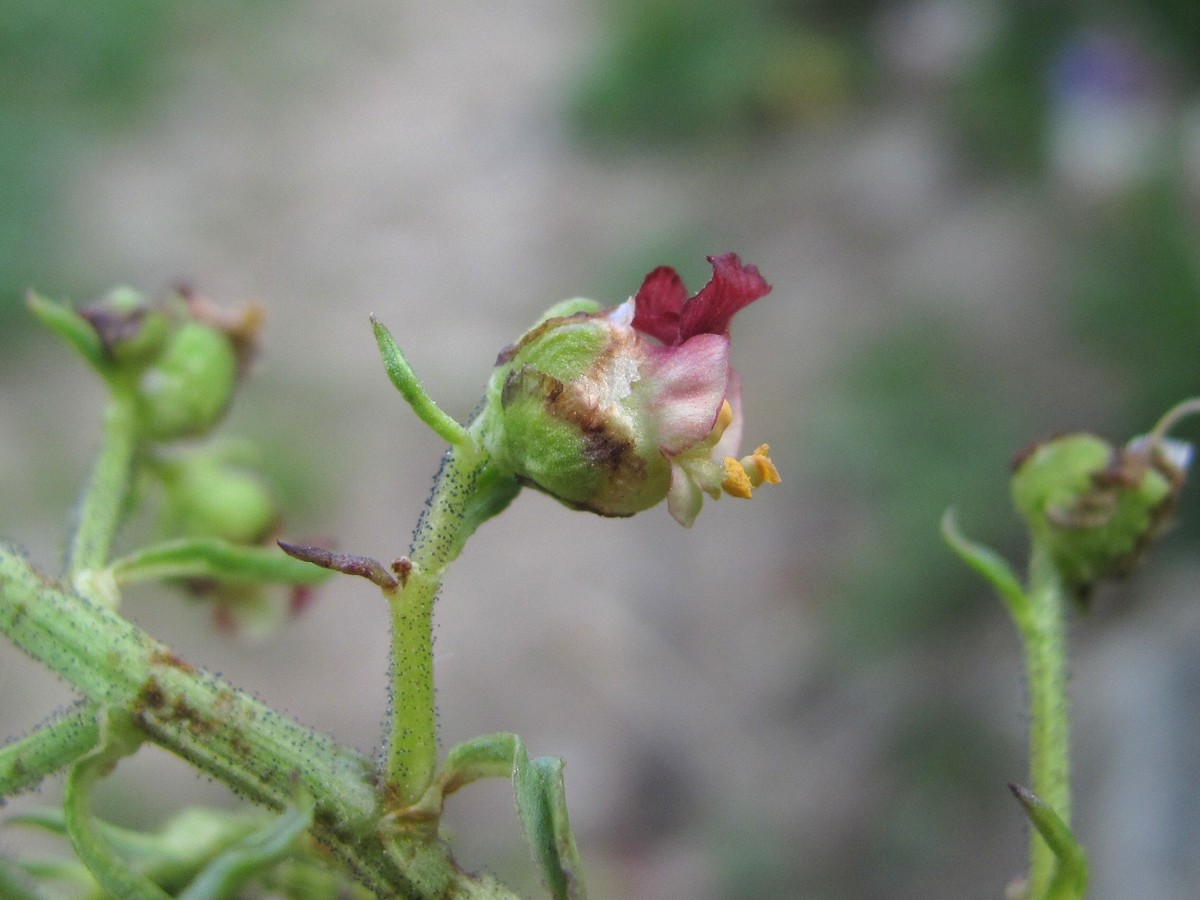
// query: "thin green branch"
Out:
[103,505]
[53,746]
[468,491]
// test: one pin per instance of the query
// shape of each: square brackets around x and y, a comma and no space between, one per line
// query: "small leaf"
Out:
[410,388]
[988,563]
[119,737]
[541,804]
[216,559]
[252,855]
[489,756]
[362,566]
[1071,872]
[72,328]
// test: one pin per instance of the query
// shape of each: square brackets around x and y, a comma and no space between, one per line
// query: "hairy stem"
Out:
[53,746]
[467,491]
[1043,630]
[259,753]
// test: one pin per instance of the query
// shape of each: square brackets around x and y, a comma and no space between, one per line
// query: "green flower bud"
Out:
[1095,507]
[186,389]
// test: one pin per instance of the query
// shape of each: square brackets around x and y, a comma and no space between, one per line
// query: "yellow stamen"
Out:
[744,475]
[760,468]
[737,482]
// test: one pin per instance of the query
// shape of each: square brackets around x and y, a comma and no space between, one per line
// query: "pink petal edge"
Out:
[690,382]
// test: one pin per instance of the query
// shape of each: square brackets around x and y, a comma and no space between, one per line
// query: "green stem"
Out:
[53,746]
[104,498]
[468,490]
[1043,630]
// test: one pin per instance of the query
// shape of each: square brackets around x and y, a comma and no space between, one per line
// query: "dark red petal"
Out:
[658,304]
[733,286]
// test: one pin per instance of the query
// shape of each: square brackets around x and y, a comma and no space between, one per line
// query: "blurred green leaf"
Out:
[1070,878]
[542,806]
[988,563]
[252,855]
[73,328]
[215,559]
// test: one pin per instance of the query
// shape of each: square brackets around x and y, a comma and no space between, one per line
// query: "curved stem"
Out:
[120,737]
[1173,416]
[103,504]
[1043,630]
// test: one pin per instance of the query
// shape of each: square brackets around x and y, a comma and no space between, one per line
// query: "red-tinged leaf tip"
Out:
[362,566]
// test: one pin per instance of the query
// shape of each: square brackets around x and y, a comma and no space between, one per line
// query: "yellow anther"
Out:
[759,467]
[737,482]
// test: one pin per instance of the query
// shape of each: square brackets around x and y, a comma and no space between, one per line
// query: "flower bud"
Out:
[612,411]
[186,389]
[181,355]
[1095,507]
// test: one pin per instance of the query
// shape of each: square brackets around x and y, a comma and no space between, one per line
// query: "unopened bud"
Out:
[1095,507]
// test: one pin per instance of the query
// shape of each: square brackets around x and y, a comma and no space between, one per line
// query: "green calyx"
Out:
[564,414]
[1095,507]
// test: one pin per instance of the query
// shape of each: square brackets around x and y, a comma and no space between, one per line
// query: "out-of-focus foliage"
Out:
[914,424]
[676,69]
[1136,299]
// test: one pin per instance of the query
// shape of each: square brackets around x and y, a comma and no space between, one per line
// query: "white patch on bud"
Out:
[622,316]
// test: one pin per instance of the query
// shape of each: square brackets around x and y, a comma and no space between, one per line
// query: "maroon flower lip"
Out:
[664,310]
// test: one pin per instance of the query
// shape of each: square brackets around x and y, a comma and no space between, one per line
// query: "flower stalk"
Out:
[1044,636]
[468,490]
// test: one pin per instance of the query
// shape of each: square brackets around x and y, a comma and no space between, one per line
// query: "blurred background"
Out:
[979,219]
